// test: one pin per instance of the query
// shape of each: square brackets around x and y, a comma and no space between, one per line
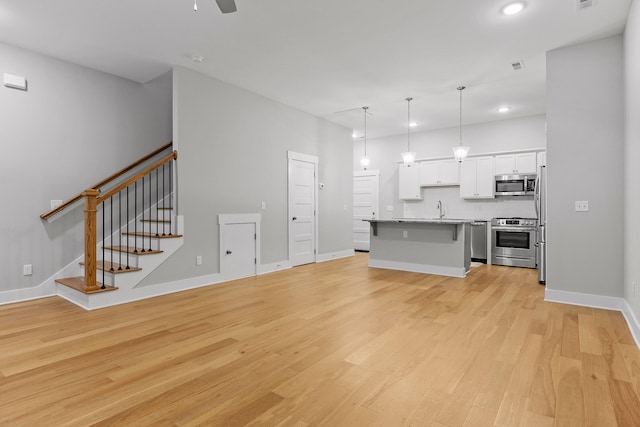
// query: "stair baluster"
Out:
[119,228]
[171,198]
[149,212]
[128,267]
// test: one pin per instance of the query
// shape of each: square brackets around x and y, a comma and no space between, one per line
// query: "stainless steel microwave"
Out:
[515,185]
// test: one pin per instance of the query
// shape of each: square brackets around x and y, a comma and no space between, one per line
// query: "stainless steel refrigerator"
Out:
[541,235]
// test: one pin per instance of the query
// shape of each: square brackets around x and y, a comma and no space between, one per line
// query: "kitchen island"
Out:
[433,246]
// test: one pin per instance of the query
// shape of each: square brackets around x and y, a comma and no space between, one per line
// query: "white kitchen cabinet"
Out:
[507,164]
[409,182]
[440,172]
[477,178]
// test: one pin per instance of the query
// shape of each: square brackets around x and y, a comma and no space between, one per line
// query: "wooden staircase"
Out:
[133,240]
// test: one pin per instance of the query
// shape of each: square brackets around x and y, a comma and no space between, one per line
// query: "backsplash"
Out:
[455,207]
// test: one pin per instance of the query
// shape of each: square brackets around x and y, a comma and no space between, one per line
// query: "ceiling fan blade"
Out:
[227,6]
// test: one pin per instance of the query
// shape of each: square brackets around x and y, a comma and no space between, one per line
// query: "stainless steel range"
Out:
[513,242]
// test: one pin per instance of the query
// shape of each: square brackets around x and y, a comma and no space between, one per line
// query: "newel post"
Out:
[90,228]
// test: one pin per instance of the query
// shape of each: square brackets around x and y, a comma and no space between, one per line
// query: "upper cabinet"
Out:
[508,164]
[409,182]
[440,172]
[477,178]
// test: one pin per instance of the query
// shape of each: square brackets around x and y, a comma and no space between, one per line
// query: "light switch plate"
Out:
[582,206]
[27,270]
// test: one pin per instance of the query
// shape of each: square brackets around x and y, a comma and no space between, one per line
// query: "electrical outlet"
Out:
[264,205]
[199,260]
[582,206]
[405,234]
[389,208]
[27,270]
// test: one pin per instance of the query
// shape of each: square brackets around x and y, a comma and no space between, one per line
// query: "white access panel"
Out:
[239,245]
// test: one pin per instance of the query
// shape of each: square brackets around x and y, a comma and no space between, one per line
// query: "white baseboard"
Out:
[597,301]
[108,299]
[586,300]
[335,255]
[276,266]
[632,321]
[46,289]
[418,268]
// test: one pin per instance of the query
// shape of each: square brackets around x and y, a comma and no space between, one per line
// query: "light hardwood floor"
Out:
[330,344]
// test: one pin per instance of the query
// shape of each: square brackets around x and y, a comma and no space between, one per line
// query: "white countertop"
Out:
[454,221]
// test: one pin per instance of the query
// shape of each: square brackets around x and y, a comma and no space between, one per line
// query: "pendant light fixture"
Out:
[365,160]
[460,152]
[408,157]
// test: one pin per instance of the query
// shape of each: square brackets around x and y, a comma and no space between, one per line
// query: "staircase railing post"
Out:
[90,228]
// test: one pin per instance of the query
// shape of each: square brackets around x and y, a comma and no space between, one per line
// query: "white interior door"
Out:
[239,256]
[365,206]
[302,209]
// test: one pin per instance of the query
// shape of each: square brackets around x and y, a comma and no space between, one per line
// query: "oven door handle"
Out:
[516,229]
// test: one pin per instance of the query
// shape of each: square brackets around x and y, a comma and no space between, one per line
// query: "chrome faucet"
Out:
[440,208]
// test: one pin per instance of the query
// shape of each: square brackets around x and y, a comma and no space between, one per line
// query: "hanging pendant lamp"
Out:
[408,157]
[460,152]
[365,160]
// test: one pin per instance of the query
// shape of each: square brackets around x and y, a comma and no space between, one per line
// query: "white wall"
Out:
[632,159]
[585,136]
[504,135]
[233,156]
[72,128]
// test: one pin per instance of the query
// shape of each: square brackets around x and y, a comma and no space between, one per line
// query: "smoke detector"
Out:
[584,4]
[517,65]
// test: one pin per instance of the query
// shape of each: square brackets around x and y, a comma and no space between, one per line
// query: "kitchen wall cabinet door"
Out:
[450,172]
[508,164]
[409,182]
[429,173]
[440,172]
[477,178]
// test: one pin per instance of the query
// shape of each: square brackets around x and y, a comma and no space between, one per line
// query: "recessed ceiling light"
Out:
[197,58]
[504,109]
[513,8]
[413,124]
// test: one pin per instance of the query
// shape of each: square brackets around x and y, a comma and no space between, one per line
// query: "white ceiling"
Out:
[324,56]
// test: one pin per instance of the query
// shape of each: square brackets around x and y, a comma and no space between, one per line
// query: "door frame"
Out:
[292,155]
[376,174]
[225,220]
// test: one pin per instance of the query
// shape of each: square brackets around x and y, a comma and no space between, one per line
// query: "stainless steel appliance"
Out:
[513,241]
[515,185]
[479,241]
[541,211]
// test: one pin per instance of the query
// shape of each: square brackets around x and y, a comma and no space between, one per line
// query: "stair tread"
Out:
[78,283]
[156,220]
[132,250]
[117,268]
[153,235]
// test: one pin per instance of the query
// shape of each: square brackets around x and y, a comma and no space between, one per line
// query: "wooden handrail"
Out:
[105,181]
[137,177]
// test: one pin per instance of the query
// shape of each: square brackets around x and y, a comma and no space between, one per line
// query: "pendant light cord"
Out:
[365,130]
[409,124]
[460,89]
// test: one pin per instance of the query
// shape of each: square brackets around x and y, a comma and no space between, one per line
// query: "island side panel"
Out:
[428,248]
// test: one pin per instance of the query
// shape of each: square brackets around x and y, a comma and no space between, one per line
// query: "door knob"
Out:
[294,218]
[228,252]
